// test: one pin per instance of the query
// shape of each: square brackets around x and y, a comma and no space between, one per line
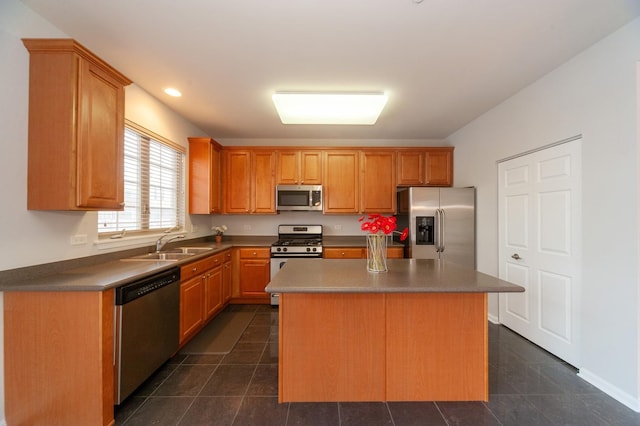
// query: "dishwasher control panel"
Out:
[130,292]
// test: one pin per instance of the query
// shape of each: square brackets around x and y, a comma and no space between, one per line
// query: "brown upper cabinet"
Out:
[425,166]
[299,167]
[204,176]
[249,184]
[378,182]
[76,128]
[359,181]
[341,184]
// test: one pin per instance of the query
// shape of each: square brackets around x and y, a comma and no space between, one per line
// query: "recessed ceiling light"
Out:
[329,108]
[172,92]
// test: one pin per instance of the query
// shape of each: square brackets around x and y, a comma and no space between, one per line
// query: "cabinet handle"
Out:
[255,254]
[516,256]
[194,270]
[122,204]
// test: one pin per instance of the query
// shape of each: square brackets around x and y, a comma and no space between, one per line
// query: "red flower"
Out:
[379,223]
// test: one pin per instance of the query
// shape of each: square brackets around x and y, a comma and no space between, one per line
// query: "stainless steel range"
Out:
[294,241]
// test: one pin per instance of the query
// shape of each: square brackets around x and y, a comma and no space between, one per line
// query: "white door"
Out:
[539,201]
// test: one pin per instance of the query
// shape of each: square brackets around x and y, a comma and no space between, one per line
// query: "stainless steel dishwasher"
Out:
[147,322]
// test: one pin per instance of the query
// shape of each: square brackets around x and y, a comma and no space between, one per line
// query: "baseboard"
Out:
[611,390]
[494,319]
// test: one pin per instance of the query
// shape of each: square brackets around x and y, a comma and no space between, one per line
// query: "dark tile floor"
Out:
[528,386]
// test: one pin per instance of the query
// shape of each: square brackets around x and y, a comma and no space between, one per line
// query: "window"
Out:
[153,185]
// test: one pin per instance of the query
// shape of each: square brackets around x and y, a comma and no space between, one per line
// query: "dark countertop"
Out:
[403,276]
[89,274]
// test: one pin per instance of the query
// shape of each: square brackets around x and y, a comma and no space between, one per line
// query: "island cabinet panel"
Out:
[383,347]
[58,354]
[339,347]
[437,347]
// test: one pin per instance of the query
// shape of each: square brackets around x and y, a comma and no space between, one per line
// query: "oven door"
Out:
[276,264]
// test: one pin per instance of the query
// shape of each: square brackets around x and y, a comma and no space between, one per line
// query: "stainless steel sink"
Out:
[166,256]
[191,250]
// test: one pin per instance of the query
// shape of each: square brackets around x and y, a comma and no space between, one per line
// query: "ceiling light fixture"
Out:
[172,92]
[329,108]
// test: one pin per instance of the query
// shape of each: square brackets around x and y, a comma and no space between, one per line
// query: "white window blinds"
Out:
[153,185]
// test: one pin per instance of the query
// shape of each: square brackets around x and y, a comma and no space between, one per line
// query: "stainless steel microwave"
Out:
[299,197]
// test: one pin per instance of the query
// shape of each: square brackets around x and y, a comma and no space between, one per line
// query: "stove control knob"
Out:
[278,249]
[284,249]
[315,249]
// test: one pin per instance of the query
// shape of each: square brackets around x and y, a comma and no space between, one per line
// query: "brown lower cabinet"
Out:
[358,252]
[205,288]
[254,273]
[58,358]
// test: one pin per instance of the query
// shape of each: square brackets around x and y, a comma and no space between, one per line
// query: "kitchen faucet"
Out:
[160,243]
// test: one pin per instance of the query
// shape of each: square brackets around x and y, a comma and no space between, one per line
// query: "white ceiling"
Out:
[442,62]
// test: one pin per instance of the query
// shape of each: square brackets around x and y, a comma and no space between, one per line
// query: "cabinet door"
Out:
[237,183]
[191,306]
[311,167]
[254,277]
[263,180]
[341,183]
[439,167]
[378,183]
[226,281]
[100,155]
[204,176]
[410,167]
[213,292]
[288,168]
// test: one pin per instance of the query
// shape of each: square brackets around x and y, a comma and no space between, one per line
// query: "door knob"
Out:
[516,256]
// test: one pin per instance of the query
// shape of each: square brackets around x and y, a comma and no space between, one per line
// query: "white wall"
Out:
[35,237]
[594,94]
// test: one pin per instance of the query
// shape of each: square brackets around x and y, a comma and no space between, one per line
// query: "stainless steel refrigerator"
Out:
[442,224]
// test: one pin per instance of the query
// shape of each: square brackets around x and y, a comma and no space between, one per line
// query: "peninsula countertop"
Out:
[403,276]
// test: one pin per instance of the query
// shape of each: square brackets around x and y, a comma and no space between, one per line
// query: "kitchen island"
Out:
[415,333]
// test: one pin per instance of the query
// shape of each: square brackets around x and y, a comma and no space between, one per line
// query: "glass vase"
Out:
[377,253]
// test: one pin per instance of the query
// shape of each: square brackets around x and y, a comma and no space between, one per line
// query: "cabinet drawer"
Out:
[194,268]
[344,253]
[227,256]
[218,259]
[255,253]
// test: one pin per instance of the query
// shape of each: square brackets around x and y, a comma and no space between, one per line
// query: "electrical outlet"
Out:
[337,227]
[247,227]
[78,240]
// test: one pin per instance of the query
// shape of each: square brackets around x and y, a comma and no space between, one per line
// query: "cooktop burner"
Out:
[298,241]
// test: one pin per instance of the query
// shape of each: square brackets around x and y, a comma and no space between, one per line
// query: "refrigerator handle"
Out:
[441,238]
[438,231]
